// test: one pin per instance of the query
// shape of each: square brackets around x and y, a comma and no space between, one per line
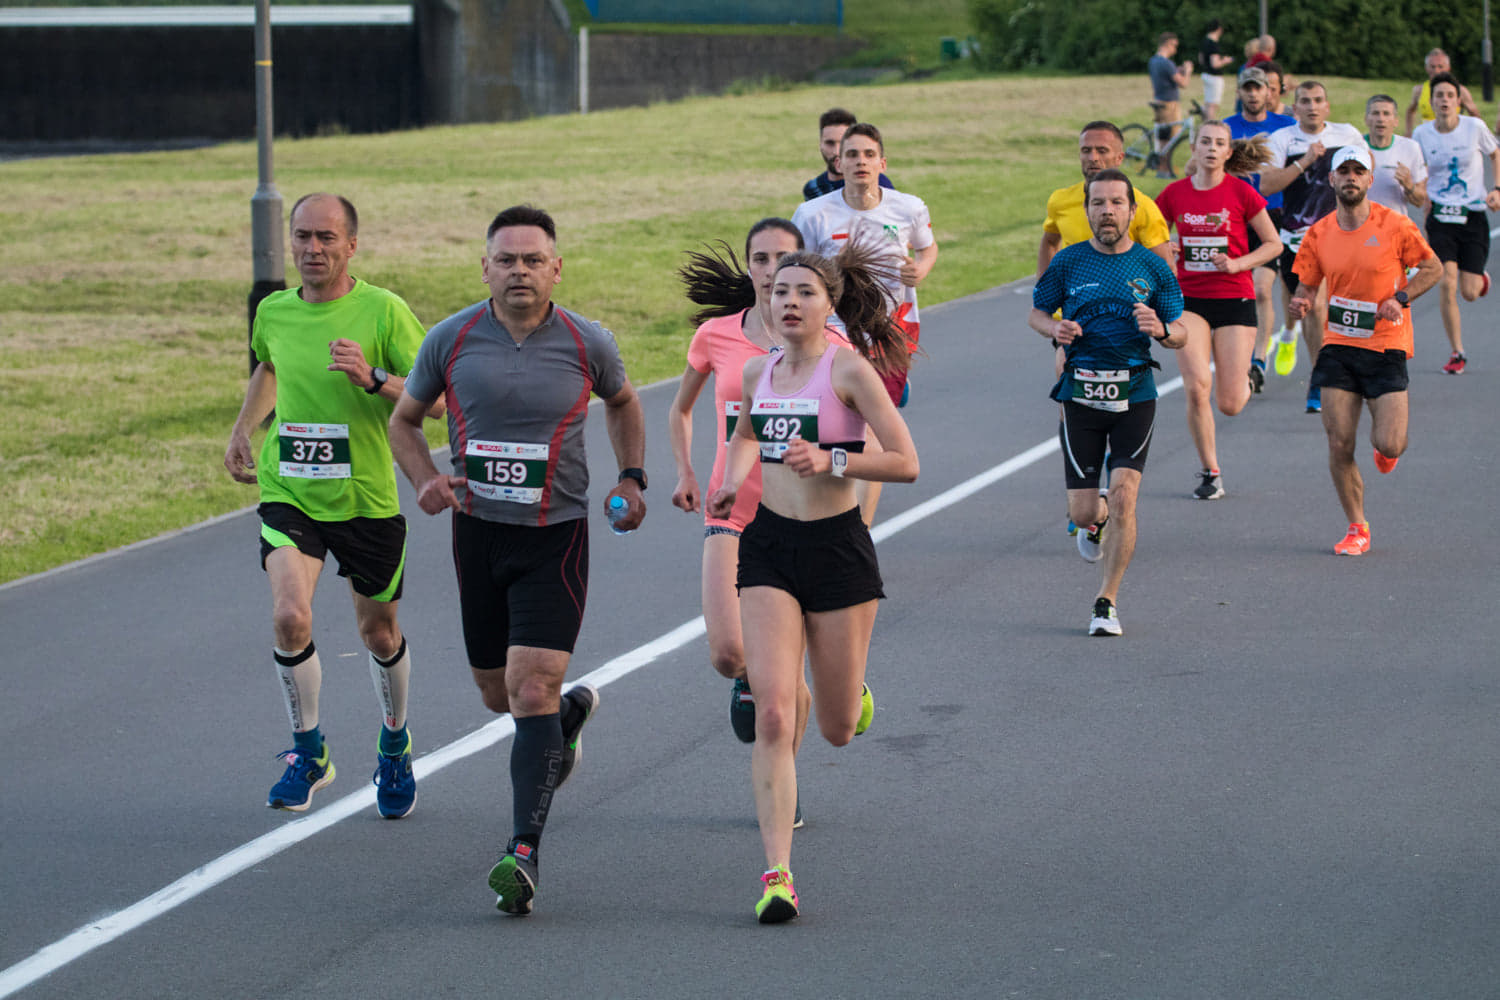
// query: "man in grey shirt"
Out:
[517,373]
[1167,81]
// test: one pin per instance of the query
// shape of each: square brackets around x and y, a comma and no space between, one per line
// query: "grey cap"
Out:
[1253,74]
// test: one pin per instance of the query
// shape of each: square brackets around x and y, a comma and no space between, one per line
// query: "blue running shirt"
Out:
[1098,291]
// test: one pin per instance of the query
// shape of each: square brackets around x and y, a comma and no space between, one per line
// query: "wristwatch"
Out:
[639,475]
[377,380]
[1402,298]
[840,462]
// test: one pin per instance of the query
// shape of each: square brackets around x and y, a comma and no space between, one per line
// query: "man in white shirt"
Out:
[1301,155]
[1455,147]
[1400,181]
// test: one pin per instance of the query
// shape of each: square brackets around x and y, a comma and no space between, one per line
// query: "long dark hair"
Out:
[856,283]
[716,281]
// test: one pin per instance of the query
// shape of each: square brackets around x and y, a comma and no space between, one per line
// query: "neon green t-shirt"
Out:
[327,452]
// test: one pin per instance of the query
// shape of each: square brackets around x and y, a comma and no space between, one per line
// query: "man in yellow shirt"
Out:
[1100,147]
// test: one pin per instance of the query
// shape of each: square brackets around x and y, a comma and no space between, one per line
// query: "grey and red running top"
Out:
[813,413]
[516,411]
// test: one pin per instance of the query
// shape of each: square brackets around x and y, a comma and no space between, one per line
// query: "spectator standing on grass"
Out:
[1167,81]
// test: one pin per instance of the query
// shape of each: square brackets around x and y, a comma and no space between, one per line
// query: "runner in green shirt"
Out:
[330,360]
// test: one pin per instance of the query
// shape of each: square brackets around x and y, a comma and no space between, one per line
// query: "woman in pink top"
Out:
[808,577]
[735,327]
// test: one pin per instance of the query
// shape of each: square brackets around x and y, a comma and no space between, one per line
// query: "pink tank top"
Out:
[814,412]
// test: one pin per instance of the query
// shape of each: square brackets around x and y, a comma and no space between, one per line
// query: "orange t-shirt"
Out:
[1364,267]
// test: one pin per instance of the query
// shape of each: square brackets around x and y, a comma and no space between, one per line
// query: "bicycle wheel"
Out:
[1137,148]
[1178,153]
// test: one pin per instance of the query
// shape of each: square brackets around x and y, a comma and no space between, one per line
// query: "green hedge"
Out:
[1313,37]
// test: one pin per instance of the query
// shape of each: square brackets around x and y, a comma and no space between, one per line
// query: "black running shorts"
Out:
[371,551]
[1467,243]
[519,585]
[1222,312]
[1087,434]
[1360,370]
[826,564]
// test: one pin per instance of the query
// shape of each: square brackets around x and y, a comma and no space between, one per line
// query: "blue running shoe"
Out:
[798,820]
[586,697]
[514,880]
[742,711]
[395,785]
[1315,399]
[304,775]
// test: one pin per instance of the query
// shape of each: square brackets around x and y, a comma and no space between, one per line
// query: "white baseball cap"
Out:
[1359,154]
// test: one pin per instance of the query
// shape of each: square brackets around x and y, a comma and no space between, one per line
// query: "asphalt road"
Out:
[1281,782]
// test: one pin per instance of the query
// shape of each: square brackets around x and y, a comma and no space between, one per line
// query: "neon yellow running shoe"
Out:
[778,903]
[1286,350]
[866,711]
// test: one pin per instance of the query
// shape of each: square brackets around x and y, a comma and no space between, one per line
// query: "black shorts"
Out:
[371,551]
[1255,240]
[1468,244]
[1087,433]
[519,585]
[1222,312]
[1360,370]
[826,564]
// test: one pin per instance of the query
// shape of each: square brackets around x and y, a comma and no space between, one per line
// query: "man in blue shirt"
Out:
[1258,117]
[1116,297]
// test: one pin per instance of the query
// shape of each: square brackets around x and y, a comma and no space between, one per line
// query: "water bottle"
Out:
[617,509]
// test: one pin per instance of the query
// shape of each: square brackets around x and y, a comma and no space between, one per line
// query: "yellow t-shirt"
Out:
[1066,218]
[1424,103]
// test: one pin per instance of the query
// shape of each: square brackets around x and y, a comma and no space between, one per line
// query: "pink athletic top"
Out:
[814,412]
[721,349]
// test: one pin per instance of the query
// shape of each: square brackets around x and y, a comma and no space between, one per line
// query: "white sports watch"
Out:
[840,462]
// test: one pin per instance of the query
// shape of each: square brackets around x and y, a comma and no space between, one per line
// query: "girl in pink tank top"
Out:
[807,557]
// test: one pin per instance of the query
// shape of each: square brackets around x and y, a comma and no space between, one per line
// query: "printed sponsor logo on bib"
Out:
[1102,390]
[776,422]
[503,470]
[314,451]
[1452,214]
[1198,251]
[731,418]
[1351,317]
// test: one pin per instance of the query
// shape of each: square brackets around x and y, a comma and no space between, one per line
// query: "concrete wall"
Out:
[495,60]
[630,70]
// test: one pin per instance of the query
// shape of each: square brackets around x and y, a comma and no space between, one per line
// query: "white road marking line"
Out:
[101,932]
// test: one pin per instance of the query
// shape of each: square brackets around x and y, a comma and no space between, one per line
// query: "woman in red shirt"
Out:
[1214,214]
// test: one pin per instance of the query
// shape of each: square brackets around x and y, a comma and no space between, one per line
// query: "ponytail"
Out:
[856,281]
[716,281]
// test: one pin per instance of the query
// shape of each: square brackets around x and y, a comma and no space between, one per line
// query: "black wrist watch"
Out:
[378,377]
[1402,299]
[639,475]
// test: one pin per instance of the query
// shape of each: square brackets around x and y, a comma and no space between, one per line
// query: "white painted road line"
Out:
[101,932]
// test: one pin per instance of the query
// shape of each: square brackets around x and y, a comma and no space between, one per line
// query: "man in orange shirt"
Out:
[1364,250]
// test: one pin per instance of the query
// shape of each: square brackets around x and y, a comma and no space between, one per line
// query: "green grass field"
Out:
[123,279]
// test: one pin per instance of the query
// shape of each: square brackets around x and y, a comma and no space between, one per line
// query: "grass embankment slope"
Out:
[123,278]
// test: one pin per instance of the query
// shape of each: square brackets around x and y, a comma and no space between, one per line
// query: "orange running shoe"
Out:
[1385,464]
[1356,542]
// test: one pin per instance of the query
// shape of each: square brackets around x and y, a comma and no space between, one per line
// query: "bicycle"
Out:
[1139,147]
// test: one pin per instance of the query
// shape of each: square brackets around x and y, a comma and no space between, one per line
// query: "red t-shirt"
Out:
[1207,222]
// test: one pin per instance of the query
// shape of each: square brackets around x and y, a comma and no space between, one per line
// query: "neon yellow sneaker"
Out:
[778,903]
[1286,349]
[866,711]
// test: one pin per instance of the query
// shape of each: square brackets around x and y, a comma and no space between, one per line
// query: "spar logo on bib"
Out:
[1213,220]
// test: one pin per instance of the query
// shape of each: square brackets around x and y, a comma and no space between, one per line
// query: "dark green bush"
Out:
[1354,38]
